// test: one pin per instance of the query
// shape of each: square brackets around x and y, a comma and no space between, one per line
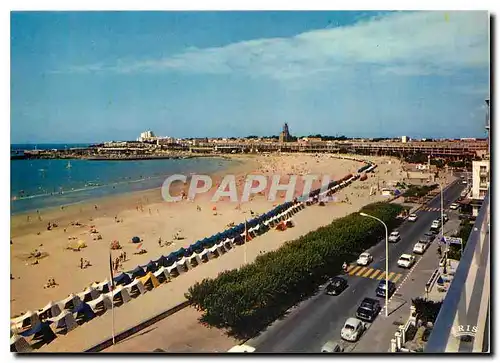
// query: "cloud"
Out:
[416,43]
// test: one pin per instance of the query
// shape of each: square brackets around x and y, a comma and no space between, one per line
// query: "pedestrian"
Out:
[81,263]
[124,256]
[439,251]
[159,241]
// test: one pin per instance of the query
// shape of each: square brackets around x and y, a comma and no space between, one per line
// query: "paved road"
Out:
[315,321]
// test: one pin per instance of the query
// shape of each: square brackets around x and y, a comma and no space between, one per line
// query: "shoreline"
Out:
[108,205]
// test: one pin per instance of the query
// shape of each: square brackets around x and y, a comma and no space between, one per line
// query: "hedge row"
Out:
[246,300]
[419,191]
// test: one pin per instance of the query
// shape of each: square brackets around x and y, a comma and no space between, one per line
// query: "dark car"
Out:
[336,286]
[381,288]
[428,237]
[369,309]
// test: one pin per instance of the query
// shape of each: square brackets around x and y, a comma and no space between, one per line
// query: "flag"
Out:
[111,271]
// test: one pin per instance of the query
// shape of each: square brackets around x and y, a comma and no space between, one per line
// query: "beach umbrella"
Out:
[136,239]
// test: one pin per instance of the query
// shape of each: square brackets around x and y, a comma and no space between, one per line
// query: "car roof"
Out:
[413,214]
[330,345]
[352,321]
[383,282]
[364,254]
[395,232]
[338,278]
[369,300]
[406,255]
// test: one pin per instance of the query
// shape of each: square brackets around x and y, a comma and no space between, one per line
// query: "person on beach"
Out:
[149,211]
[124,256]
[27,218]
[159,241]
[81,263]
[95,206]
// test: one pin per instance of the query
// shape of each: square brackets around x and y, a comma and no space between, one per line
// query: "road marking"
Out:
[396,278]
[381,276]
[353,271]
[375,273]
[350,268]
[390,275]
[361,271]
[368,272]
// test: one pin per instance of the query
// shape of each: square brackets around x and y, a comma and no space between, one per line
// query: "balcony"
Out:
[462,325]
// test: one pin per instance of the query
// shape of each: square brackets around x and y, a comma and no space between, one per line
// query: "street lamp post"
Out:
[386,261]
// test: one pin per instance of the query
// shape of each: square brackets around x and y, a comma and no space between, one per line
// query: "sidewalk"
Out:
[377,339]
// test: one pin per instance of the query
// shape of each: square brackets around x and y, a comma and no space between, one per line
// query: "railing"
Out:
[463,321]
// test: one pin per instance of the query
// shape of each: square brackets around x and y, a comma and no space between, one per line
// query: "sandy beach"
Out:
[142,214]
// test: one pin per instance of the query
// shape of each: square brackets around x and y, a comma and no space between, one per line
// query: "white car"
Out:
[454,206]
[364,259]
[332,347]
[352,330]
[412,217]
[420,247]
[436,224]
[394,236]
[406,261]
[243,348]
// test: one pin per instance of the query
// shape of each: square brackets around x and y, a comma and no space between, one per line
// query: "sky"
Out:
[101,76]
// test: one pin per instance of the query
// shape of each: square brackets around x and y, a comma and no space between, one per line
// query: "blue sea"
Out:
[43,183]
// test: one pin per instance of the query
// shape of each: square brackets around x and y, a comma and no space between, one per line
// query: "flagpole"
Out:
[112,286]
[245,247]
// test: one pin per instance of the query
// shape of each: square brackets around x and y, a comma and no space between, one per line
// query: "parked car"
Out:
[406,261]
[364,259]
[454,206]
[394,236]
[368,309]
[336,286]
[436,223]
[428,237]
[352,329]
[332,346]
[381,288]
[420,247]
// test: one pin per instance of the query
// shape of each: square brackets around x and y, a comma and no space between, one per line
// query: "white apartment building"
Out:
[480,180]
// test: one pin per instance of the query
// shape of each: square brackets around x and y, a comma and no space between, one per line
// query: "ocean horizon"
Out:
[45,183]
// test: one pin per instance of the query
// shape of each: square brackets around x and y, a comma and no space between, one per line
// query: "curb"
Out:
[130,331]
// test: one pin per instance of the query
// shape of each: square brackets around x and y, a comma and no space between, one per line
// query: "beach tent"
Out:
[161,274]
[89,294]
[27,320]
[101,304]
[182,265]
[19,345]
[204,255]
[172,270]
[162,261]
[40,331]
[214,250]
[64,321]
[136,239]
[149,281]
[136,288]
[136,273]
[151,266]
[83,312]
[119,295]
[70,302]
[102,287]
[49,311]
[122,279]
[194,260]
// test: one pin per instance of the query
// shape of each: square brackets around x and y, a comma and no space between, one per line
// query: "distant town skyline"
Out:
[82,77]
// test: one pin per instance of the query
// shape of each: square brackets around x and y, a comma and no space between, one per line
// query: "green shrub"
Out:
[245,300]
